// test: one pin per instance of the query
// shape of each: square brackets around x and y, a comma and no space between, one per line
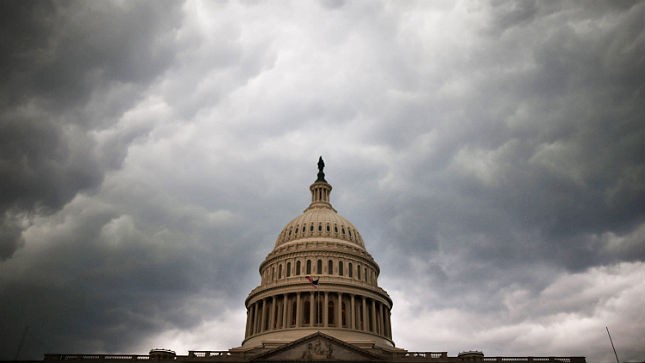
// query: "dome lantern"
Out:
[320,189]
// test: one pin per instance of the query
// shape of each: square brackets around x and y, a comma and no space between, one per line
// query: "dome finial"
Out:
[321,166]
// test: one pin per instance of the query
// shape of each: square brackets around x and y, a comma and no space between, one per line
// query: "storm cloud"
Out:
[490,153]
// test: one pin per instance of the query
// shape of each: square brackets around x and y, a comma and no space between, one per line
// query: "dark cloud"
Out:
[61,53]
[60,59]
[151,151]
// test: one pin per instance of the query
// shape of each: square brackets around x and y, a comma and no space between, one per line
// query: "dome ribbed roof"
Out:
[320,222]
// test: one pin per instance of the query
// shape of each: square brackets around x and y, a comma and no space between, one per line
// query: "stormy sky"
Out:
[492,155]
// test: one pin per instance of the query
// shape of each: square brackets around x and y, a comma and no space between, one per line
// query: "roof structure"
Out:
[318,300]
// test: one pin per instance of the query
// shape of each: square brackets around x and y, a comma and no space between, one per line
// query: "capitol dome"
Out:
[319,277]
[320,221]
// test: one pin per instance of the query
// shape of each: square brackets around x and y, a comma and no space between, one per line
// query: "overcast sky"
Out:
[492,155]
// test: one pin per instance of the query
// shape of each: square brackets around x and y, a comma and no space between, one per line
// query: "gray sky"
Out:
[490,153]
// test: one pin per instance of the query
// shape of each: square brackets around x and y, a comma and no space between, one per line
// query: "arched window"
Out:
[350,270]
[340,268]
[319,267]
[297,267]
[365,275]
[308,267]
[288,269]
[358,271]
[330,267]
[280,271]
[272,273]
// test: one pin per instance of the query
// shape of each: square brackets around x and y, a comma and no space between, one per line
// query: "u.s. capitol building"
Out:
[318,300]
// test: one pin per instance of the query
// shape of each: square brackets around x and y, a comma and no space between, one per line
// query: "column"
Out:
[285,310]
[311,308]
[389,324]
[272,314]
[277,324]
[263,314]
[339,315]
[373,316]
[325,310]
[298,310]
[379,308]
[364,322]
[256,318]
[352,312]
[246,328]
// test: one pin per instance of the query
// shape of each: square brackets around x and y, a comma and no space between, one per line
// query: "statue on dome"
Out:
[321,166]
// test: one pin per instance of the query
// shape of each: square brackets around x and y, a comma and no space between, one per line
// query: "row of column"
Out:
[318,309]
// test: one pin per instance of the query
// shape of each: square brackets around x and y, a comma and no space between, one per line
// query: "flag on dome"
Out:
[313,282]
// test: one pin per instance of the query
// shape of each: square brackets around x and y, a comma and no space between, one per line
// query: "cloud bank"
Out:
[491,154]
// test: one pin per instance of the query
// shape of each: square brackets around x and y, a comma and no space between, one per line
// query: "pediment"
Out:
[317,347]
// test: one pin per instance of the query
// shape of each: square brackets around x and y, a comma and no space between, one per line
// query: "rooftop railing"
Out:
[223,355]
[100,357]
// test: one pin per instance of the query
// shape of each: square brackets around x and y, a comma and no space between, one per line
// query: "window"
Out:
[297,267]
[320,228]
[311,228]
[308,267]
[330,313]
[335,228]
[280,271]
[328,228]
[330,267]
[288,269]
[340,268]
[319,267]
[350,270]
[358,271]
